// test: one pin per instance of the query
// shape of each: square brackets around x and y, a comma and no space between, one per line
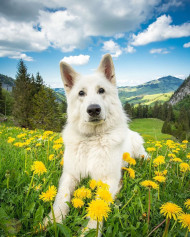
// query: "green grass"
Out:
[21,216]
[149,128]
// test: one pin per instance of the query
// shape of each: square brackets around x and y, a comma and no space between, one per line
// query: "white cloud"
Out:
[187,45]
[119,36]
[159,51]
[112,48]
[34,25]
[161,30]
[77,60]
[130,49]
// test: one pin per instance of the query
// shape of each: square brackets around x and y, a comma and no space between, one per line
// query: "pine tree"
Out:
[1,100]
[22,96]
[46,114]
[128,110]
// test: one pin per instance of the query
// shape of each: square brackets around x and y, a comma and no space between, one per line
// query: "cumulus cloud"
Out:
[112,48]
[159,51]
[77,60]
[119,36]
[161,30]
[130,49]
[187,45]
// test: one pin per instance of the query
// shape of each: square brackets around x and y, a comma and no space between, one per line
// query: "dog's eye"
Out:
[81,93]
[101,91]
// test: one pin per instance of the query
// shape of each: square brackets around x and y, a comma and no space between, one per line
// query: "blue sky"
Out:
[148,39]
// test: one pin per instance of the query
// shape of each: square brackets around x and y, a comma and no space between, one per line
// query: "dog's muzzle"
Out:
[94,111]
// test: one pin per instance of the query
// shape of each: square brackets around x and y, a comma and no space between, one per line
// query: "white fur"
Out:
[93,149]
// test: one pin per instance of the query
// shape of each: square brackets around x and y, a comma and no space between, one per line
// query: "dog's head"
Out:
[93,102]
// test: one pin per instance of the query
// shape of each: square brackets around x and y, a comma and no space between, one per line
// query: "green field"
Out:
[149,128]
[22,211]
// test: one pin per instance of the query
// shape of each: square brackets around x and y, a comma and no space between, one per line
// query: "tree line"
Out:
[34,105]
[176,118]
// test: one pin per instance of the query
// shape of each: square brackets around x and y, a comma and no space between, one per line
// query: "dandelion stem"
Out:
[150,166]
[156,227]
[128,201]
[148,205]
[166,228]
[159,193]
[54,221]
[97,228]
[186,235]
[30,185]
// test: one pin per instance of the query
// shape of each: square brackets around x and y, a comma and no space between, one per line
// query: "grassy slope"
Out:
[149,128]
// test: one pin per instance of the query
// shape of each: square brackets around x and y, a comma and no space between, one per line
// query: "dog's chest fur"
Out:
[94,155]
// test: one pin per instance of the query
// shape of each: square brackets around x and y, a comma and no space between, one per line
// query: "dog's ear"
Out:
[107,68]
[68,75]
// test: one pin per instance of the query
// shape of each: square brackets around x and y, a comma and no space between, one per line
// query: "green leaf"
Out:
[39,215]
[64,230]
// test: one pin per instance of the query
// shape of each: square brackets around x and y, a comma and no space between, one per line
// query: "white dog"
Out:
[96,134]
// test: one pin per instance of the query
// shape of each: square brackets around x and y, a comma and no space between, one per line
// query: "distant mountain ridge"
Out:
[181,92]
[148,93]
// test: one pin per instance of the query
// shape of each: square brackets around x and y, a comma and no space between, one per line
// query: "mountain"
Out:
[181,93]
[7,82]
[148,93]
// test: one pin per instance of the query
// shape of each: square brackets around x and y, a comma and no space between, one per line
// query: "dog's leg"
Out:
[66,187]
[113,188]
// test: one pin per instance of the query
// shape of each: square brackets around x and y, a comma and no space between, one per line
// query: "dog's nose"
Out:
[93,110]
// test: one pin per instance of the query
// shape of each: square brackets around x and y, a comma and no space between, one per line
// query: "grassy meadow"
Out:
[136,209]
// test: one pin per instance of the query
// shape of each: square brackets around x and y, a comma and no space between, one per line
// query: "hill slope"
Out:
[181,92]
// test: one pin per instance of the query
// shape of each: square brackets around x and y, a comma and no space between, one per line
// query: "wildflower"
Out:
[177,160]
[188,156]
[149,184]
[38,144]
[98,209]
[59,141]
[170,210]
[38,167]
[128,159]
[184,167]
[130,171]
[51,157]
[151,149]
[47,133]
[57,146]
[187,203]
[103,185]
[28,149]
[161,173]
[10,139]
[38,187]
[61,162]
[21,135]
[160,179]
[184,141]
[159,160]
[185,220]
[19,144]
[105,195]
[171,155]
[49,194]
[82,193]
[93,184]
[77,202]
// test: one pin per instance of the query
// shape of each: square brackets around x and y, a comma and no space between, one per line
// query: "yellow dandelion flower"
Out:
[47,133]
[62,162]
[58,141]
[103,185]
[57,146]
[28,149]
[77,202]
[130,171]
[151,149]
[129,159]
[188,156]
[184,167]
[161,173]
[49,194]
[183,146]
[177,160]
[185,220]
[171,155]
[185,141]
[21,135]
[38,144]
[149,184]
[93,184]
[98,209]
[160,179]
[104,194]
[159,160]
[187,203]
[83,193]
[38,167]
[170,210]
[10,139]
[38,187]
[51,157]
